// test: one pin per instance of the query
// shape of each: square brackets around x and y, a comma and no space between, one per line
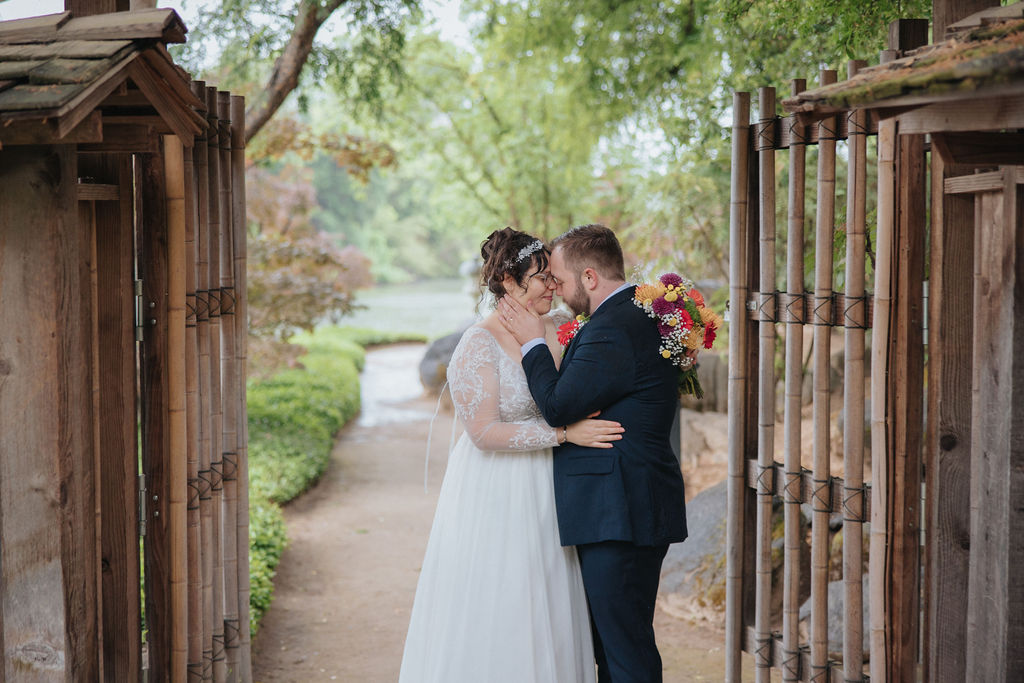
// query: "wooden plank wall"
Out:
[41,378]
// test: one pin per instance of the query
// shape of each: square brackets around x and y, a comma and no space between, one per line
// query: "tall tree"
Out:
[265,48]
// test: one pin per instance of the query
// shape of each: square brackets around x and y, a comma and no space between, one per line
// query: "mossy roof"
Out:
[984,58]
[58,68]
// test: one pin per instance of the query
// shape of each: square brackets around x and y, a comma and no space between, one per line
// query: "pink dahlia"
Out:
[662,307]
[671,279]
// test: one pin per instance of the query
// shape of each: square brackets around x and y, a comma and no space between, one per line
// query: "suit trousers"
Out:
[621,582]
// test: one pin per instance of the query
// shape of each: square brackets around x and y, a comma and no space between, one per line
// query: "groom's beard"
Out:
[579,302]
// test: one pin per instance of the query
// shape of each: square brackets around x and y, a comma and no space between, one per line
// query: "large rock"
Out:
[713,372]
[706,437]
[836,598]
[434,366]
[693,573]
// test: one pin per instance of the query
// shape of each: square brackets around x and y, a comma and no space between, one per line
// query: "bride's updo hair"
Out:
[510,252]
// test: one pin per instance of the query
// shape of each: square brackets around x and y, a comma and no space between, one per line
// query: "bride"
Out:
[499,599]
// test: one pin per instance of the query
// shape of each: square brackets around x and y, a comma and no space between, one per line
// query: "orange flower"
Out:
[648,293]
[697,297]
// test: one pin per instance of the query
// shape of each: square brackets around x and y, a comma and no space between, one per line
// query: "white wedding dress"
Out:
[499,599]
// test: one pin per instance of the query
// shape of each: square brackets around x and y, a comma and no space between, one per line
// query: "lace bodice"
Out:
[492,398]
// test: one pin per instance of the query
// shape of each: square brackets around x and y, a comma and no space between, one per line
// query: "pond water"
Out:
[390,380]
[432,308]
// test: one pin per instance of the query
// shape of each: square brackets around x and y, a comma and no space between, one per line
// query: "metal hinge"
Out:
[142,505]
[139,311]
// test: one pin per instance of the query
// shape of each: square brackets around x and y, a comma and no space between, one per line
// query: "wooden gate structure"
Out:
[945,498]
[122,357]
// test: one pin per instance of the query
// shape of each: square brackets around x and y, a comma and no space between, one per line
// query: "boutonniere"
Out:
[684,322]
[568,330]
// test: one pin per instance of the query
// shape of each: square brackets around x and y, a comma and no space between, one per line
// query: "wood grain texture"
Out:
[117,419]
[37,209]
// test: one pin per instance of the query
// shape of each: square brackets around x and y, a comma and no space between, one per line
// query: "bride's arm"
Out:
[473,377]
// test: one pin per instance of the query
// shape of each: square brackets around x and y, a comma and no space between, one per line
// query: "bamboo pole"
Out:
[821,500]
[241,336]
[793,391]
[230,406]
[853,394]
[195,576]
[205,410]
[879,408]
[216,409]
[737,384]
[174,193]
[766,386]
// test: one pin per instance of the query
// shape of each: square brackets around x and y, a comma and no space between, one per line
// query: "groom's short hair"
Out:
[592,246]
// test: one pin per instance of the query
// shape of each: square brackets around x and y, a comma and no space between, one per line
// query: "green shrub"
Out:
[293,418]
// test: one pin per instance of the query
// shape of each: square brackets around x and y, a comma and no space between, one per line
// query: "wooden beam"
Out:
[995,628]
[152,240]
[980,149]
[977,182]
[976,113]
[98,192]
[40,428]
[122,646]
[32,29]
[47,132]
[82,8]
[125,139]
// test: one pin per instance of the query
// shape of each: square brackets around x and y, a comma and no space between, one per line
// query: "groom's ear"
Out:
[590,278]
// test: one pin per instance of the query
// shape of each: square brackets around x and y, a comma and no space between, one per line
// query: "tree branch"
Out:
[310,15]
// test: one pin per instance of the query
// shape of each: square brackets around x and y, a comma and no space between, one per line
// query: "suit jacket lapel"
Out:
[603,309]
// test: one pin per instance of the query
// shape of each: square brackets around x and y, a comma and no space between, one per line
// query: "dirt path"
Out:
[345,585]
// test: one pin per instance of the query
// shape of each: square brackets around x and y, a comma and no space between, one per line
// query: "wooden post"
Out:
[794,527]
[766,384]
[897,389]
[216,406]
[201,153]
[177,448]
[239,233]
[855,319]
[152,239]
[821,502]
[995,627]
[230,387]
[48,599]
[195,572]
[948,435]
[737,384]
[81,8]
[116,417]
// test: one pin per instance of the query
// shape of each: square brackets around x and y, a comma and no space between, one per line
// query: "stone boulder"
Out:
[434,366]
[836,597]
[693,573]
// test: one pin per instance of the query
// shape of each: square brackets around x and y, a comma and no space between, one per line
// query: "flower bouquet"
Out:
[684,322]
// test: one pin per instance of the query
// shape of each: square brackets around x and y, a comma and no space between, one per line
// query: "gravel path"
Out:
[345,585]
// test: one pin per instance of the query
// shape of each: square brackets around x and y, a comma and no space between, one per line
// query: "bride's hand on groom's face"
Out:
[521,321]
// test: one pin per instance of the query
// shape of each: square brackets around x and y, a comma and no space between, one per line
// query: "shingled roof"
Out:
[984,56]
[62,78]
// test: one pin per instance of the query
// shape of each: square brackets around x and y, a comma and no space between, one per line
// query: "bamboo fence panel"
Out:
[737,383]
[230,389]
[793,524]
[822,504]
[238,226]
[216,407]
[205,410]
[853,392]
[195,577]
[174,202]
[766,387]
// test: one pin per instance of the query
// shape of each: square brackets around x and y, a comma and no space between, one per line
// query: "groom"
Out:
[620,507]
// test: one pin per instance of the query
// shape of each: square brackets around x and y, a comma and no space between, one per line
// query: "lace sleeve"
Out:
[474,381]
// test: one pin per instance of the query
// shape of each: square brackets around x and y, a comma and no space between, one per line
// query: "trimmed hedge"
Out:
[293,419]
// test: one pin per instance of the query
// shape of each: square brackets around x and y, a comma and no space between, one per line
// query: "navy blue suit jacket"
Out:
[634,491]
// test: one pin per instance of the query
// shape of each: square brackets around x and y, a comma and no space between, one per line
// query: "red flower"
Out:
[709,336]
[697,297]
[567,331]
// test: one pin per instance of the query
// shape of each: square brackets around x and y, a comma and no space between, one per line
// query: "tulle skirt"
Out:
[498,600]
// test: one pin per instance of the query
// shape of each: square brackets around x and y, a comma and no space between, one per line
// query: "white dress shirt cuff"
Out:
[528,346]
